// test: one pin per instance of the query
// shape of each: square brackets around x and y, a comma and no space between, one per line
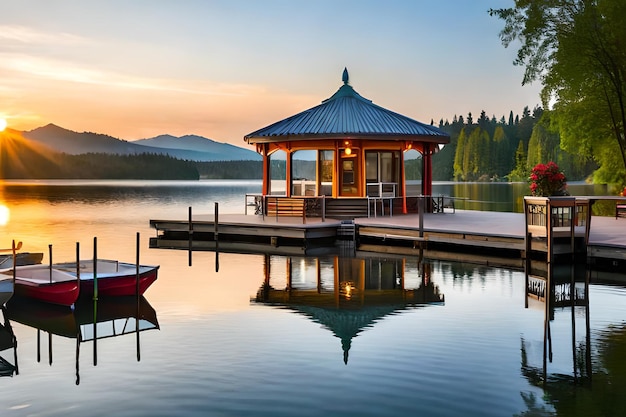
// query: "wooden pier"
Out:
[493,238]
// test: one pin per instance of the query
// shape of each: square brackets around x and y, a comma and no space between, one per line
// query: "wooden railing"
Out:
[285,207]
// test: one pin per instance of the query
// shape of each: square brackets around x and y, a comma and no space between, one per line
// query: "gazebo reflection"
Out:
[347,295]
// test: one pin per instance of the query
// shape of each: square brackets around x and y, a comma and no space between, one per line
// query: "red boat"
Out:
[40,282]
[112,278]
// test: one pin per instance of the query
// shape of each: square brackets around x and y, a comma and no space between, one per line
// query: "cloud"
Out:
[20,66]
[27,35]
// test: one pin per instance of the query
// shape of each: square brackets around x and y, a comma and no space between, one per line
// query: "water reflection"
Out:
[346,295]
[562,291]
[90,321]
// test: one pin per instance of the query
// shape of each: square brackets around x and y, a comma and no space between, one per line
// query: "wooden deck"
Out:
[477,236]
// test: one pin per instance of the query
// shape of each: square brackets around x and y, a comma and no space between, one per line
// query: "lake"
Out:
[293,336]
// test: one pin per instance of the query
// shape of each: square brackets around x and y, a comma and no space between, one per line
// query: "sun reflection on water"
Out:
[5,215]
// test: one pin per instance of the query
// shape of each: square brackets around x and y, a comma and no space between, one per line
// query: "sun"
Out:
[3,125]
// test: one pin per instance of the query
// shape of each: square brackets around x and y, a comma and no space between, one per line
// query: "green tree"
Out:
[520,172]
[501,153]
[576,49]
[459,174]
[543,146]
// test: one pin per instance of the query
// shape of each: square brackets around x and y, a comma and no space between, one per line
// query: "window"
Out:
[382,166]
[326,163]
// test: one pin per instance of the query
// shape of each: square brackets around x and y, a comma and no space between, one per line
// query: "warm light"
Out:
[347,290]
[348,151]
[3,124]
[4,215]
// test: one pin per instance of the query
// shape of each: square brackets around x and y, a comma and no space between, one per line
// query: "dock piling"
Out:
[216,221]
[95,269]
[49,257]
[137,268]
[190,235]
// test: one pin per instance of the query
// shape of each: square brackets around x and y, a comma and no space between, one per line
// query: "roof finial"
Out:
[345,77]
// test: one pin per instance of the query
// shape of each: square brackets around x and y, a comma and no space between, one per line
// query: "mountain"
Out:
[224,151]
[197,148]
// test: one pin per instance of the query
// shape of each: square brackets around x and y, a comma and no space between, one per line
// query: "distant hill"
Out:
[192,148]
[22,158]
[223,151]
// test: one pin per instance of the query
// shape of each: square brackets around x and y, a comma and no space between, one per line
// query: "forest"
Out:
[489,149]
[483,150]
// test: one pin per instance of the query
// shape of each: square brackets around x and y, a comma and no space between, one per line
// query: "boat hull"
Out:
[63,293]
[112,278]
[21,259]
[116,286]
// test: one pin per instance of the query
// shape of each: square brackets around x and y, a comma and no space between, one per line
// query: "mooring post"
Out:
[49,257]
[217,212]
[13,249]
[95,270]
[138,302]
[78,265]
[137,268]
[216,237]
[190,235]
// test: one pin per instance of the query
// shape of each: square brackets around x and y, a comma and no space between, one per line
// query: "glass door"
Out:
[349,176]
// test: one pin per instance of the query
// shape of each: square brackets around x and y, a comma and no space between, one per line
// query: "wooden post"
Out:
[190,235]
[95,270]
[402,187]
[216,237]
[14,263]
[216,222]
[138,300]
[78,265]
[137,269]
[49,266]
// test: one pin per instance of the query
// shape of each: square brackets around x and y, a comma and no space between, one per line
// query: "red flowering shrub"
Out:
[546,180]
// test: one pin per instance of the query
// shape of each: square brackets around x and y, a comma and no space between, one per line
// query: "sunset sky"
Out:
[222,69]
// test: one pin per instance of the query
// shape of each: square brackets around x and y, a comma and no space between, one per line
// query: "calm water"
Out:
[398,337]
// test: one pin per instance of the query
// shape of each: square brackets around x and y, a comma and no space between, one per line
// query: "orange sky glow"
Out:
[226,68]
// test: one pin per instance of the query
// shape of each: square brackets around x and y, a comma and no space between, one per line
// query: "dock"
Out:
[485,237]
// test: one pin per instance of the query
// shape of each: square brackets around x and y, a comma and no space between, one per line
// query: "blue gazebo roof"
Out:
[347,114]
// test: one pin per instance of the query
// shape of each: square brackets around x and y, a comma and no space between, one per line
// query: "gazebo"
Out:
[346,148]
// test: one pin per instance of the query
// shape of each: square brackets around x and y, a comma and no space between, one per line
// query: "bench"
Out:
[620,210]
[285,207]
